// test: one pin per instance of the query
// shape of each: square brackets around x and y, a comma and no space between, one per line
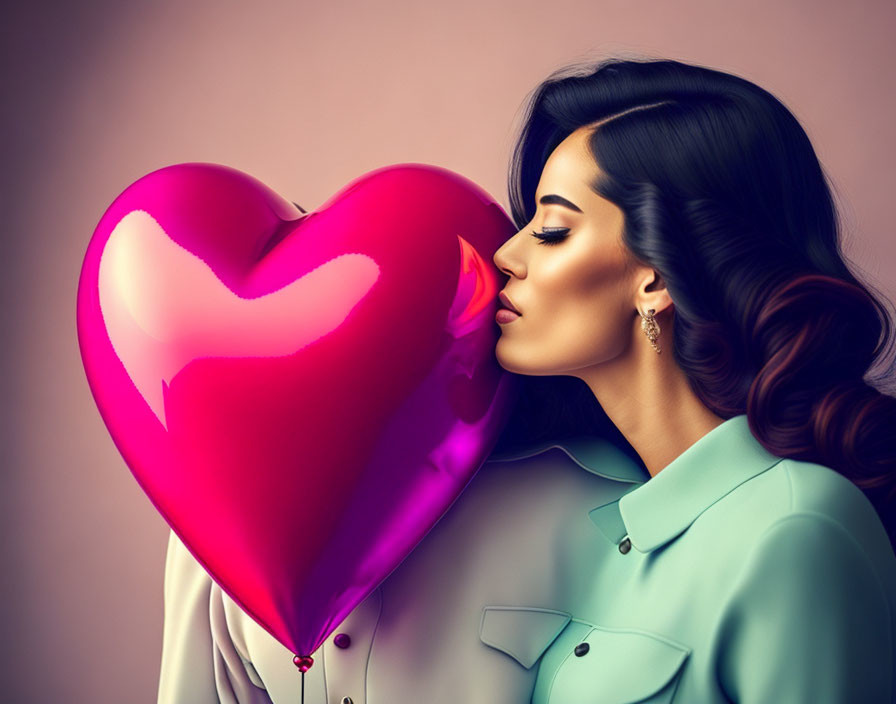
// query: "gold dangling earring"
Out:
[651,328]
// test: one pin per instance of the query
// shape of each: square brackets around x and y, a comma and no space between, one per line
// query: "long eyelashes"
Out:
[551,235]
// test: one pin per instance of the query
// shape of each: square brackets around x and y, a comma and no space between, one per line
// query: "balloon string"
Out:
[303,662]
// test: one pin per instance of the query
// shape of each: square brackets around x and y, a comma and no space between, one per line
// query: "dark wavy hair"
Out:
[724,196]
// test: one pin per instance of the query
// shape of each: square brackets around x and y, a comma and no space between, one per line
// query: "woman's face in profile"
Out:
[576,297]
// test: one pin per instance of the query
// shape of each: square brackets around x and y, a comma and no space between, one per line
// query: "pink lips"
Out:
[506,316]
[508,313]
[507,303]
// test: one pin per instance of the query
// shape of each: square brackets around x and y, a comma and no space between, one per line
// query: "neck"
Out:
[648,398]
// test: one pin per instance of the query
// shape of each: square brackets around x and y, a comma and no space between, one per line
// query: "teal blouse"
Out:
[732,575]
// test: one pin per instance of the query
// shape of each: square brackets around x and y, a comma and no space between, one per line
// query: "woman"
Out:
[679,253]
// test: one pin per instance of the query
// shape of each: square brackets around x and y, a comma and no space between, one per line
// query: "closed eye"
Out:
[551,235]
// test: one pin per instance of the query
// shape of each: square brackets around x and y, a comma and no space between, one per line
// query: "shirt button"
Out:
[343,640]
[581,649]
[625,546]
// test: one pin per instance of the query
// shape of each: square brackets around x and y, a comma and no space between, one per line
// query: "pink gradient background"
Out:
[305,98]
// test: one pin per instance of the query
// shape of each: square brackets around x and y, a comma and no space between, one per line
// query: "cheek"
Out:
[589,320]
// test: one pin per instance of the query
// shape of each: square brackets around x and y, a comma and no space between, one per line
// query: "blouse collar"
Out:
[660,509]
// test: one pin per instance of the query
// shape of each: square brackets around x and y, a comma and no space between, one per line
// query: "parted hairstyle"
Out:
[724,196]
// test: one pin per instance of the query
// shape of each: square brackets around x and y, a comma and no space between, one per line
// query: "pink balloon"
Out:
[301,396]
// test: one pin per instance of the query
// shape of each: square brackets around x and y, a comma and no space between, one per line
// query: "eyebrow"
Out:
[554,199]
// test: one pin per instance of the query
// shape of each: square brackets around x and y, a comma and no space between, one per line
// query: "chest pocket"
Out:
[523,633]
[616,667]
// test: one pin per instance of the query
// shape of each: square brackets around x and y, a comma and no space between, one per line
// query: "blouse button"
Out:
[342,640]
[625,546]
[581,649]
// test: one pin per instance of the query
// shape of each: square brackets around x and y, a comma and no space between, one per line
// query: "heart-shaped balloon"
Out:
[301,396]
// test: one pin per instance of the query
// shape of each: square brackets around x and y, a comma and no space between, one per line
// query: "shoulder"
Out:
[791,488]
[812,604]
[805,509]
[818,547]
[818,494]
[815,524]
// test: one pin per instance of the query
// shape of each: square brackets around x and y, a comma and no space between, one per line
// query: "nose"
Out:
[501,259]
[496,258]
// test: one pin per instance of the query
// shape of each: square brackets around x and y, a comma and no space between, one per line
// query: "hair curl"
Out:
[723,195]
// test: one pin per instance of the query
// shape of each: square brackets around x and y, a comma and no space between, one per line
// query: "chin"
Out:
[506,361]
[516,363]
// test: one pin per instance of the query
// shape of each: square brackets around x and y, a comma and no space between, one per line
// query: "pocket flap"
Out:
[523,632]
[622,665]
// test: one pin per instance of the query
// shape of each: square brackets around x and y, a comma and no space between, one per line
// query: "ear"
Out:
[651,292]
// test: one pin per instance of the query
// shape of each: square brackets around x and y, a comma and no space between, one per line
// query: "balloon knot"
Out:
[303,662]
